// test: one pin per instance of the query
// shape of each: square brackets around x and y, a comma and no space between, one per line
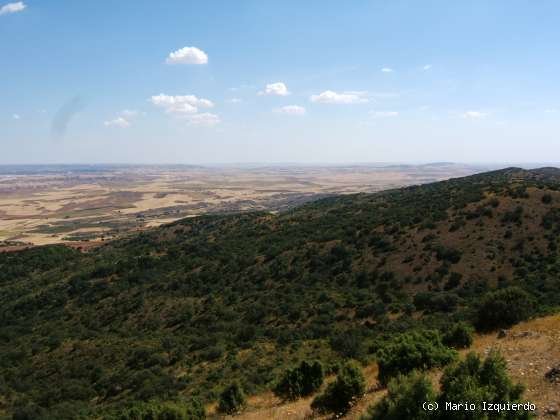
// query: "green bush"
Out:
[300,381]
[412,350]
[405,396]
[504,308]
[475,381]
[232,399]
[471,380]
[460,336]
[339,395]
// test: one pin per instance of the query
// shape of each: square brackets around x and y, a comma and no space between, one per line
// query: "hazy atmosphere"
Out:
[254,81]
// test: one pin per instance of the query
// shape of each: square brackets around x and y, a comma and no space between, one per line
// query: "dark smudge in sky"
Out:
[65,114]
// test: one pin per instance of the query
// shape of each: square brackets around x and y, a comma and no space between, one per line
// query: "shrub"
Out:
[340,394]
[504,308]
[405,396]
[460,336]
[471,381]
[232,399]
[412,350]
[475,381]
[300,381]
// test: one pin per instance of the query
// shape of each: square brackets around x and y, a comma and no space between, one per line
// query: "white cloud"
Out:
[291,110]
[550,111]
[117,122]
[384,114]
[16,116]
[204,119]
[387,70]
[181,104]
[474,115]
[12,8]
[330,97]
[187,106]
[277,89]
[234,101]
[187,55]
[427,67]
[122,119]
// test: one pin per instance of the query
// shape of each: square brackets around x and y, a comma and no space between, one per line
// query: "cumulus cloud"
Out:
[187,55]
[117,122]
[474,115]
[275,89]
[427,67]
[387,70]
[123,119]
[330,97]
[384,114]
[204,119]
[180,104]
[187,107]
[12,8]
[291,110]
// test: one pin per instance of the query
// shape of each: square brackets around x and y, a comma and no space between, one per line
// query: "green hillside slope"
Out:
[185,309]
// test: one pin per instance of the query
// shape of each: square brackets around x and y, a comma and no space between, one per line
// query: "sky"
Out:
[279,81]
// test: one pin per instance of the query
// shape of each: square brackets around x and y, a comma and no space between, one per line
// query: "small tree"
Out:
[410,351]
[475,381]
[339,395]
[460,336]
[232,399]
[300,381]
[504,308]
[471,380]
[405,396]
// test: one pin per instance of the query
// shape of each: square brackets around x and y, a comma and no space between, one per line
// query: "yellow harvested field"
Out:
[83,205]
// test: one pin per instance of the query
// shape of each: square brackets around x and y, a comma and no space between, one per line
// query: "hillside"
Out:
[530,348]
[186,308]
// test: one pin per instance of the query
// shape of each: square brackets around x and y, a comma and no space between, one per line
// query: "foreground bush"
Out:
[471,380]
[339,395]
[460,336]
[410,351]
[405,396]
[300,381]
[504,308]
[475,381]
[232,399]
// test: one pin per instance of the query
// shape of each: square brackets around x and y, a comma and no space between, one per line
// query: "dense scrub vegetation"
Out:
[181,312]
[339,395]
[470,381]
[300,381]
[408,351]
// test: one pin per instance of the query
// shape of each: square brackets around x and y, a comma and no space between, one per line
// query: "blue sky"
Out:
[279,81]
